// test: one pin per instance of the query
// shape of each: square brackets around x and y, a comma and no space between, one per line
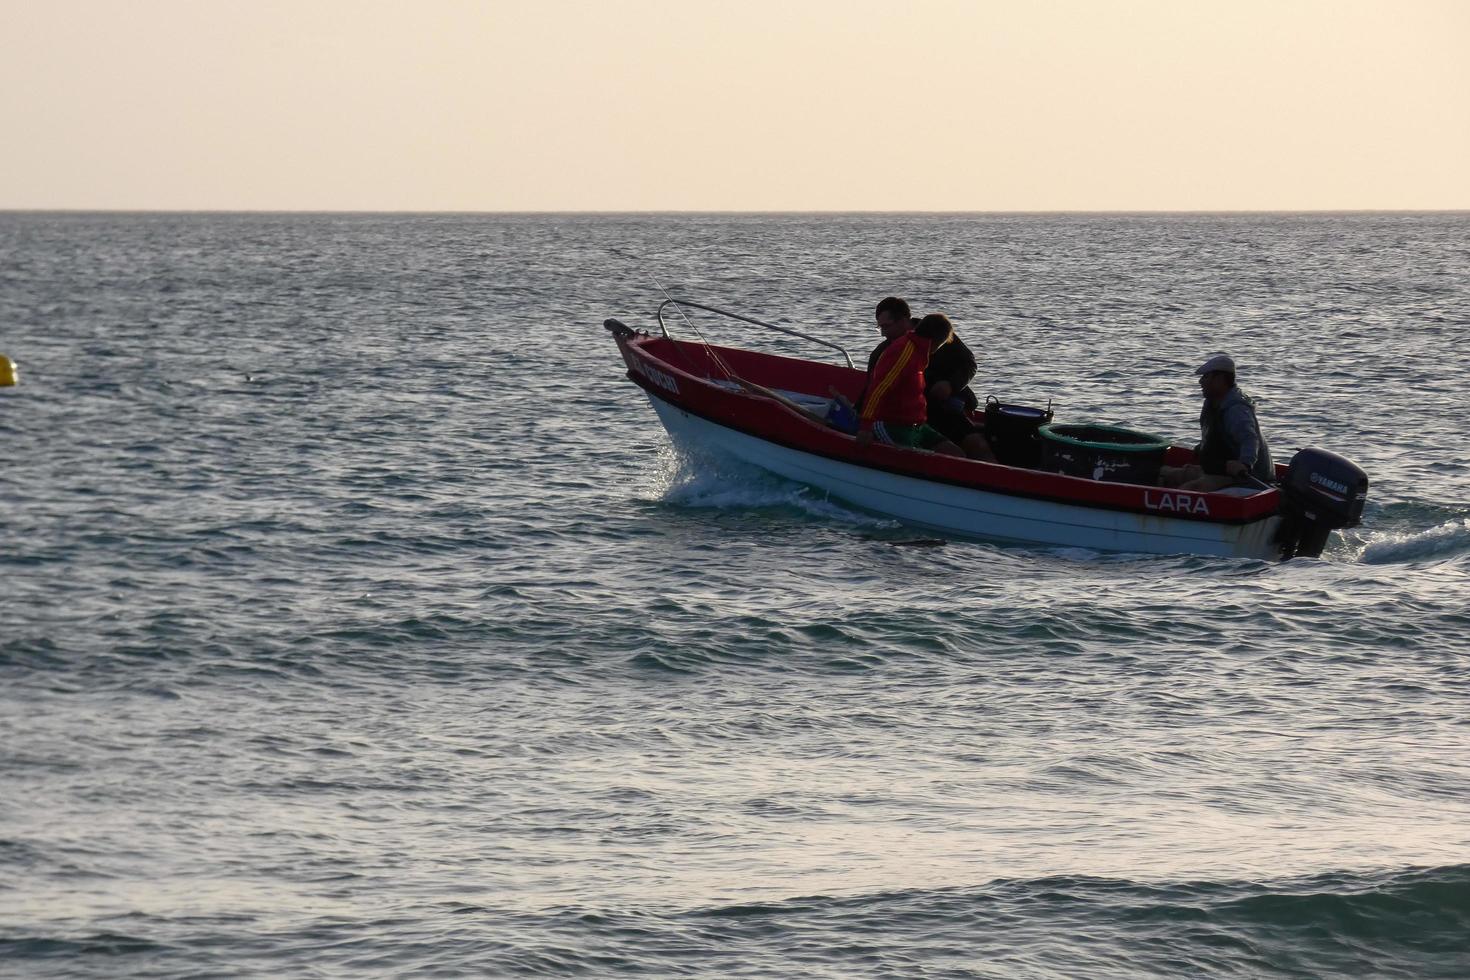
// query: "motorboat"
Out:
[774,411]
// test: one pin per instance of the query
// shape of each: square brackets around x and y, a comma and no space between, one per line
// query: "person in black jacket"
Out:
[946,380]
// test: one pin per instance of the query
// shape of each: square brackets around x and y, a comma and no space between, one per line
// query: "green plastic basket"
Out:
[1103,438]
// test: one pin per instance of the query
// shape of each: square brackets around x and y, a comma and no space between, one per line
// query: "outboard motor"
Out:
[1321,493]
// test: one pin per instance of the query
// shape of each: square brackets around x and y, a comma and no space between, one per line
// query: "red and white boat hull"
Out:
[973,513]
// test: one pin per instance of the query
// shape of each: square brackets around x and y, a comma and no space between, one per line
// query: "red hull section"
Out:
[688,375]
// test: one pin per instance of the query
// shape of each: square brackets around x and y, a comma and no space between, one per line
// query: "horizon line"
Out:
[730,211]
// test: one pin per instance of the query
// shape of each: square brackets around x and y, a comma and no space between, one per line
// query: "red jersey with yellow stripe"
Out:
[896,394]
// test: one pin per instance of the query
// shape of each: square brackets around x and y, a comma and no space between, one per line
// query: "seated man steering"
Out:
[1232,449]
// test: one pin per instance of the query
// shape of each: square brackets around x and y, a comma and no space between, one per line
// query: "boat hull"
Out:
[970,512]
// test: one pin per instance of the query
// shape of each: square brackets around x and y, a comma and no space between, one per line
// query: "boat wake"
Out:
[1441,541]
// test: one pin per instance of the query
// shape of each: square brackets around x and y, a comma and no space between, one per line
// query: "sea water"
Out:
[357,617]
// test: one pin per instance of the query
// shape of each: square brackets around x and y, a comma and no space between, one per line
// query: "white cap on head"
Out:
[1219,362]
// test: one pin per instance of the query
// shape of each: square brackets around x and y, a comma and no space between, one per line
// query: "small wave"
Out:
[1443,540]
[1407,923]
[1412,923]
[659,662]
[99,945]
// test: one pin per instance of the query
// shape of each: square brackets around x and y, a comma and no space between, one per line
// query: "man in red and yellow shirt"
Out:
[894,407]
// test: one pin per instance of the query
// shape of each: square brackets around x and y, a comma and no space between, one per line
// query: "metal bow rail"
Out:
[747,319]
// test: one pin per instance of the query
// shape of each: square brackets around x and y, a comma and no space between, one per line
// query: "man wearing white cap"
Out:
[1231,448]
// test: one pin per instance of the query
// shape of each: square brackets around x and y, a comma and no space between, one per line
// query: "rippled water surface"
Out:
[356,617]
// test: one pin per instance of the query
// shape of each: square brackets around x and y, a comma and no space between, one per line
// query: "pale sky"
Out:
[801,105]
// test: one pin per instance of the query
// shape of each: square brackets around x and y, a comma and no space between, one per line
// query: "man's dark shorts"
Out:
[953,426]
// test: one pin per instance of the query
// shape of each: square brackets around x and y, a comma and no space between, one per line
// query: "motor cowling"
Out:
[1322,493]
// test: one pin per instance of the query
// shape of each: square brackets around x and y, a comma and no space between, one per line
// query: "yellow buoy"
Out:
[7,372]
